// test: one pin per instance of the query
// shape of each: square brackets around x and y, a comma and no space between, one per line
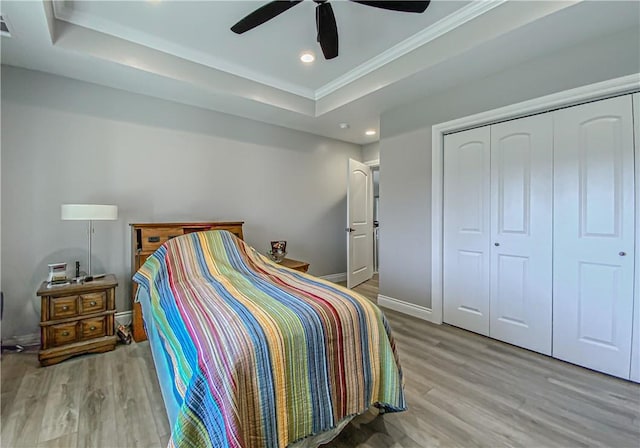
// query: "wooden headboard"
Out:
[146,238]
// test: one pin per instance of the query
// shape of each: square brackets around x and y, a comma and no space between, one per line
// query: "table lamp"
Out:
[88,212]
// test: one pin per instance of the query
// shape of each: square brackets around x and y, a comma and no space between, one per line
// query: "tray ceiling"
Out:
[183,51]
[199,31]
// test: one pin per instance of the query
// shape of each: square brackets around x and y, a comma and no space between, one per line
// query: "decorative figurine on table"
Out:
[278,251]
[57,275]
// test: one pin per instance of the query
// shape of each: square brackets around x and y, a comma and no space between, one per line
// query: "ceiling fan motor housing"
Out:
[325,19]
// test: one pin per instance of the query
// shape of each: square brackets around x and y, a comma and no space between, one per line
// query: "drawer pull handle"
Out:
[154,239]
[92,303]
[92,328]
[65,308]
[65,333]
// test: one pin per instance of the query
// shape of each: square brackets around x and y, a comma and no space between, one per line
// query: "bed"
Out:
[252,354]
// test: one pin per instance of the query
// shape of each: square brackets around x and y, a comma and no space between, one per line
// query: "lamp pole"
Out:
[90,239]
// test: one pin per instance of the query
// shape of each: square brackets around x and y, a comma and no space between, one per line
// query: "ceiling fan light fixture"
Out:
[307,57]
[370,132]
[325,19]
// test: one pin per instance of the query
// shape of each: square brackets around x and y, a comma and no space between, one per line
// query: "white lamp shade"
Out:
[88,212]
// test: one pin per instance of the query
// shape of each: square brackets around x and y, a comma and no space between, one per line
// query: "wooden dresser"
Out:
[77,318]
[146,238]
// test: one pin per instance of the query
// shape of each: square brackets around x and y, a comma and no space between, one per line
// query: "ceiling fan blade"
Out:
[408,6]
[262,14]
[327,30]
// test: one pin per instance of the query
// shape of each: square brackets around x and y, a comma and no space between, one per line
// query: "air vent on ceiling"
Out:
[4,26]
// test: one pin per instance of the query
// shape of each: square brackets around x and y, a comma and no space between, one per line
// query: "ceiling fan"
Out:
[325,20]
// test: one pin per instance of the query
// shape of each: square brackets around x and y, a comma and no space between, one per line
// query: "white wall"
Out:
[65,141]
[0,199]
[405,147]
[403,242]
[371,152]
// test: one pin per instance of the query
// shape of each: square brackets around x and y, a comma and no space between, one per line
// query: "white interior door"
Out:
[466,229]
[635,344]
[521,232]
[359,224]
[594,235]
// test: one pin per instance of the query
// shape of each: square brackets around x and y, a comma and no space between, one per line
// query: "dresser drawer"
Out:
[92,328]
[93,302]
[61,307]
[153,238]
[62,334]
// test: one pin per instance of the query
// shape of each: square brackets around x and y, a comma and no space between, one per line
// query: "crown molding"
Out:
[62,11]
[65,13]
[449,23]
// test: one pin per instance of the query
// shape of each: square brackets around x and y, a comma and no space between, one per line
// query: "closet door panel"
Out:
[466,229]
[594,235]
[635,345]
[521,232]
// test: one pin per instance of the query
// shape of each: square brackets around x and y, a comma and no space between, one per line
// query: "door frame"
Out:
[375,164]
[635,332]
[593,92]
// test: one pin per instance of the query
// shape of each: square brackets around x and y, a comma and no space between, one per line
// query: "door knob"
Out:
[496,244]
[622,254]
[349,229]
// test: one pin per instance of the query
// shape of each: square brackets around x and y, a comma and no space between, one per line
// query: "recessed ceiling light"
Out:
[370,132]
[307,57]
[344,125]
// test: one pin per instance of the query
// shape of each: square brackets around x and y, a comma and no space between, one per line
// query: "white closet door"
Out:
[521,232]
[635,345]
[467,229]
[594,235]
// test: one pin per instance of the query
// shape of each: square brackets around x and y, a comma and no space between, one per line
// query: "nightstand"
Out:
[77,318]
[298,265]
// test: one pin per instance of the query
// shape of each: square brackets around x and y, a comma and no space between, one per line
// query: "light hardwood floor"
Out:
[462,390]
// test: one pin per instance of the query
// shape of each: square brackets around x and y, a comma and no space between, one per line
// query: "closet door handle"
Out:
[349,229]
[496,244]
[622,254]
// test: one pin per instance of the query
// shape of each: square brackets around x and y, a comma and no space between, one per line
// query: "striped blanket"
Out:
[263,355]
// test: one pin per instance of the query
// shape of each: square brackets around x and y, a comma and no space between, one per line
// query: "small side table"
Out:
[298,265]
[77,318]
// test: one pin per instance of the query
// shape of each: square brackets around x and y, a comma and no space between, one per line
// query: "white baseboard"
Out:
[411,309]
[26,340]
[340,277]
[124,318]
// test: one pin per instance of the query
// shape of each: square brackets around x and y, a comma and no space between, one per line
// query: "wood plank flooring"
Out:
[462,390]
